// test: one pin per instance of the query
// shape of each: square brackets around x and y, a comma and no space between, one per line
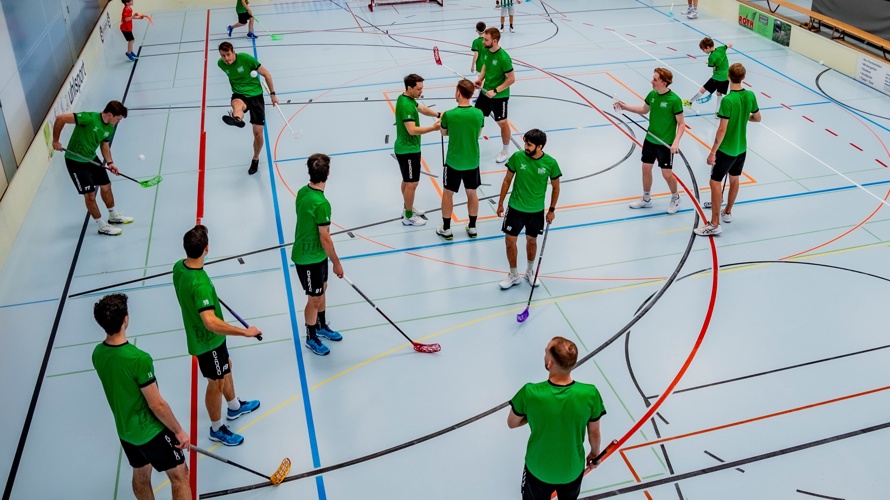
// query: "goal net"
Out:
[381,3]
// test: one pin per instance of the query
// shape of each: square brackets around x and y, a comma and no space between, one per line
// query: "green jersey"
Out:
[478,46]
[663,111]
[530,180]
[737,106]
[240,8]
[239,75]
[124,370]
[406,111]
[558,417]
[718,60]
[313,210]
[497,65]
[196,294]
[464,124]
[89,132]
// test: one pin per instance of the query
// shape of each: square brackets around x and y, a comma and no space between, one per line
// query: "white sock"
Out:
[514,271]
[214,426]
[646,196]
[100,222]
[675,196]
[531,266]
[719,98]
[506,148]
[696,96]
[234,404]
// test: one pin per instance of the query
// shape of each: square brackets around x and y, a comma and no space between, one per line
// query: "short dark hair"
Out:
[705,43]
[226,47]
[116,108]
[536,136]
[494,33]
[564,352]
[319,166]
[110,312]
[466,88]
[737,73]
[666,76]
[125,2]
[412,80]
[480,27]
[195,241]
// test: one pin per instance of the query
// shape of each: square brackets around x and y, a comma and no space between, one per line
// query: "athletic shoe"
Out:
[233,121]
[512,30]
[530,277]
[317,347]
[245,408]
[693,15]
[119,219]
[727,217]
[250,34]
[510,280]
[418,212]
[674,205]
[226,437]
[502,156]
[708,230]
[131,56]
[254,166]
[687,11]
[706,205]
[413,221]
[110,230]
[705,99]
[445,233]
[641,203]
[229,29]
[687,103]
[472,232]
[326,332]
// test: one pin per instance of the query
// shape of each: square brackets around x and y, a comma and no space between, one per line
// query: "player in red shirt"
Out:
[127,26]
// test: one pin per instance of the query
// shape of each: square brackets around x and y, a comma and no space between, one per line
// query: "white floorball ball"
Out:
[253,74]
[142,157]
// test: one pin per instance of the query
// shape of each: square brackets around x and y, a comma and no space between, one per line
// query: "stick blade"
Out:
[426,348]
[276,38]
[154,181]
[436,55]
[521,317]
[278,476]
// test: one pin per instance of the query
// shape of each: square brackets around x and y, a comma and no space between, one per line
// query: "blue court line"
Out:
[767,66]
[610,221]
[29,303]
[304,387]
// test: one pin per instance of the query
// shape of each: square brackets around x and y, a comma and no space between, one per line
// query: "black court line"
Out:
[715,457]
[737,463]
[26,427]
[810,493]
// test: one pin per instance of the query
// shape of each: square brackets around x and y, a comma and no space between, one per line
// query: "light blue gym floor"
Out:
[766,380]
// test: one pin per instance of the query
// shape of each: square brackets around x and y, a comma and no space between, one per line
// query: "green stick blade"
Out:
[154,181]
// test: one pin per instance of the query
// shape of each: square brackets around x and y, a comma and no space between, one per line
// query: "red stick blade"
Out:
[436,56]
[426,348]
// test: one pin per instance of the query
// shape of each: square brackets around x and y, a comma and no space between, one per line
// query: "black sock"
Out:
[321,319]
[446,223]
[310,332]
[473,220]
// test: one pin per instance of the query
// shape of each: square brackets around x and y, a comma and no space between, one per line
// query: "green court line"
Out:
[117,476]
[622,483]
[154,206]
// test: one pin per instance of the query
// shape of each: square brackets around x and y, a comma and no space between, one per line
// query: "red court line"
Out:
[830,132]
[855,146]
[882,163]
[650,41]
[354,18]
[746,83]
[767,95]
[692,56]
[632,36]
[588,24]
[808,118]
[785,105]
[672,49]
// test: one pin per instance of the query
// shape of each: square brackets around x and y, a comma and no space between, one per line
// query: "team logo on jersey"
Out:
[95,129]
[240,69]
[542,170]
[206,302]
[494,63]
[664,105]
[522,166]
[106,134]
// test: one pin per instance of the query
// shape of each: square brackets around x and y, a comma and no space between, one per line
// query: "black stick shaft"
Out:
[240,320]
[538,268]
[226,461]
[378,310]
[94,162]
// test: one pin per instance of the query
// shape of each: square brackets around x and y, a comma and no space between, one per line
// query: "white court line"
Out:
[780,136]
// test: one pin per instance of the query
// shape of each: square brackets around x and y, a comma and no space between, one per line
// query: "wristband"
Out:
[552,209]
[272,93]
[439,115]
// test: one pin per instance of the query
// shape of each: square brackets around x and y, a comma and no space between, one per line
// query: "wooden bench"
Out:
[840,30]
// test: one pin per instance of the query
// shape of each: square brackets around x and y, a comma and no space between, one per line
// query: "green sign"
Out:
[764,25]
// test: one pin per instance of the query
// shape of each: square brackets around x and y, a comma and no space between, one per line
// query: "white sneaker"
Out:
[445,233]
[110,230]
[119,219]
[674,205]
[502,156]
[693,15]
[708,230]
[472,232]
[510,280]
[413,221]
[512,30]
[687,11]
[641,203]
[530,277]
[727,217]
[418,212]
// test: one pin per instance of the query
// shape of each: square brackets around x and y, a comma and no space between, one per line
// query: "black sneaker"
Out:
[254,166]
[233,121]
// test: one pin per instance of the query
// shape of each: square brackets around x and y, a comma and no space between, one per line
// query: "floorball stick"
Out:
[240,320]
[276,478]
[521,317]
[154,181]
[296,135]
[440,63]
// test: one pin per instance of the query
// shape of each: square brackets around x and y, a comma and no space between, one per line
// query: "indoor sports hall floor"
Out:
[763,381]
